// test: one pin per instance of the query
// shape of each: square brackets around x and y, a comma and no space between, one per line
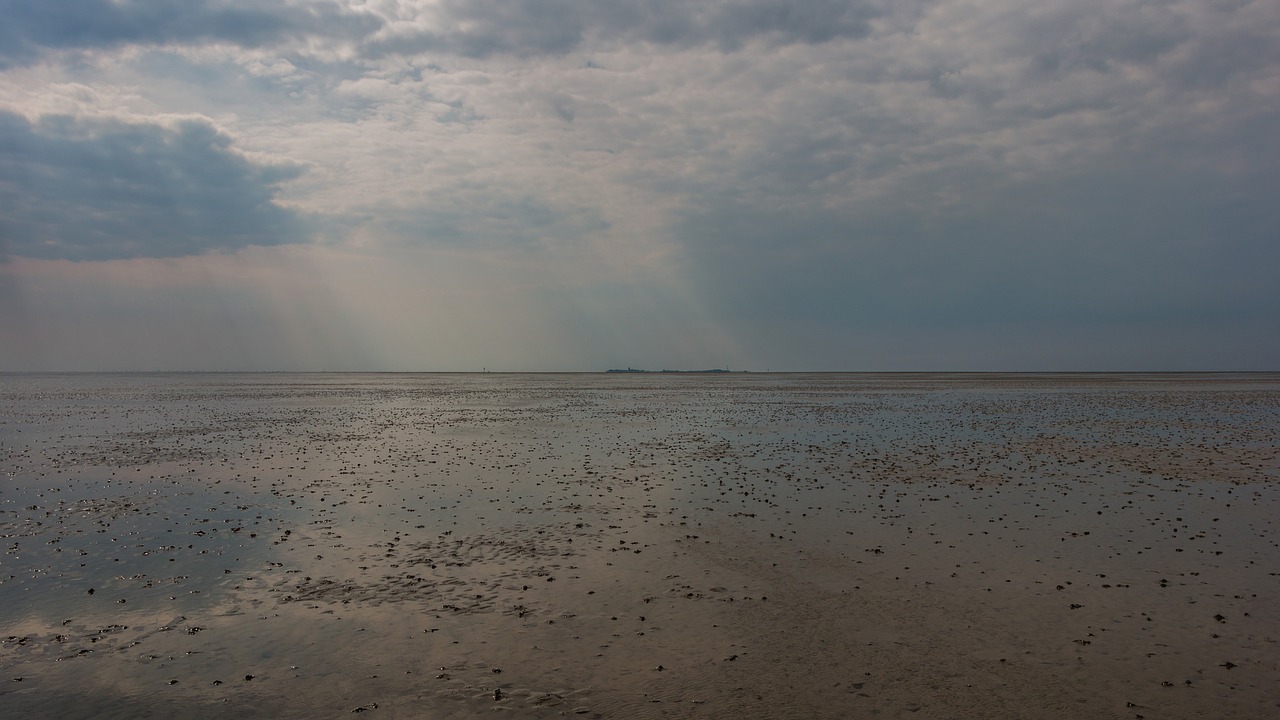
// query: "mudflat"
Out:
[635,545]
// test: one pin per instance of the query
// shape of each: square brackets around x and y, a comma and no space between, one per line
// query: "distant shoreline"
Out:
[695,372]
[1118,374]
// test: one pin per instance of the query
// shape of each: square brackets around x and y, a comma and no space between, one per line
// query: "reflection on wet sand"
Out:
[640,546]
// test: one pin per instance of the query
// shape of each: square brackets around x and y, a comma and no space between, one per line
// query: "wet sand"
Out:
[758,545]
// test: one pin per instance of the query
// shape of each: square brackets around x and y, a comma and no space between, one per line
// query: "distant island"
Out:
[633,370]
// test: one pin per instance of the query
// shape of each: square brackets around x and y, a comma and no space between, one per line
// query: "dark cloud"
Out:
[94,190]
[1068,38]
[29,28]
[480,28]
[471,28]
[801,22]
[1121,245]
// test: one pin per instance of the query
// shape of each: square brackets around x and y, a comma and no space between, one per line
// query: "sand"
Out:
[747,545]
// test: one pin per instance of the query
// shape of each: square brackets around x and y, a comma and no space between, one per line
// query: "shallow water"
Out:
[279,545]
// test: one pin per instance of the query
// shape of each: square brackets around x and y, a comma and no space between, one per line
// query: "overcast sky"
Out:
[585,184]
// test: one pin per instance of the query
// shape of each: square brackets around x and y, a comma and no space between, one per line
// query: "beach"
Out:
[640,545]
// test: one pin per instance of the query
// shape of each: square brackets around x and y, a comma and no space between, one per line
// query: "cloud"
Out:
[527,28]
[31,28]
[468,28]
[84,189]
[751,174]
[1115,247]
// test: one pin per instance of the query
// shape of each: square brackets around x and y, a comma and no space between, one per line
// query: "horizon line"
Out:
[639,372]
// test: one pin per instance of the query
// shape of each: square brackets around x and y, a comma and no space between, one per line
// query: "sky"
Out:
[539,185]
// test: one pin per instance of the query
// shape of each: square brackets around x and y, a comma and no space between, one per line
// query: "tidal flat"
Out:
[640,545]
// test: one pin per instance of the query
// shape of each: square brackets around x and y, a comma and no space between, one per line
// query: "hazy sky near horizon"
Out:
[584,184]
